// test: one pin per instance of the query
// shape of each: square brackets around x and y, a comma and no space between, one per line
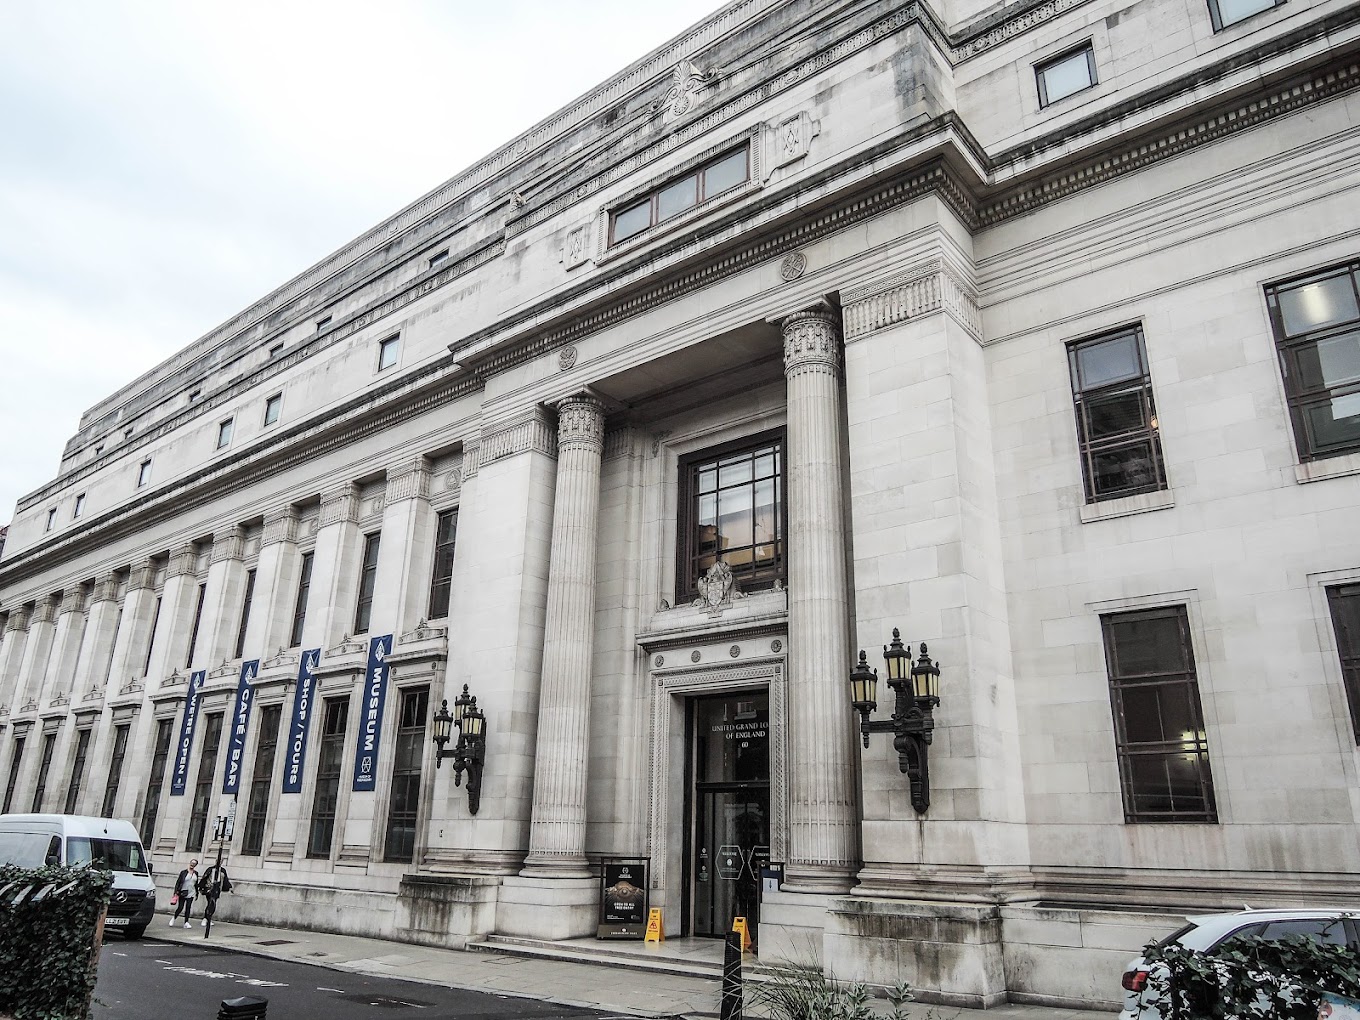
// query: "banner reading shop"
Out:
[180,777]
[370,715]
[240,723]
[296,759]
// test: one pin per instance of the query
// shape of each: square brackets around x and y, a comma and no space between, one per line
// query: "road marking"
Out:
[320,989]
[240,979]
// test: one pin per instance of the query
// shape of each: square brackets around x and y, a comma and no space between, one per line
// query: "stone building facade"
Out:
[1030,330]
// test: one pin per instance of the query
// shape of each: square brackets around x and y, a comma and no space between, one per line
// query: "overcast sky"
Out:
[163,163]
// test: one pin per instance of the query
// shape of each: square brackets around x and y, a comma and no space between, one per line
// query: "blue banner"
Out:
[296,758]
[370,715]
[240,723]
[192,697]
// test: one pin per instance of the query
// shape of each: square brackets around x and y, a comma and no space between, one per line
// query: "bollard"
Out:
[247,1007]
[731,986]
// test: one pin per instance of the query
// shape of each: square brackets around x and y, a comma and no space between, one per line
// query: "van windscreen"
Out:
[113,854]
[26,849]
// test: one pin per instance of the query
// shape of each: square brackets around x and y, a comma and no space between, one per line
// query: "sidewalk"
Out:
[569,983]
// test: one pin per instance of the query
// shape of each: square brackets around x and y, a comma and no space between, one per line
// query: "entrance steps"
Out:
[687,956]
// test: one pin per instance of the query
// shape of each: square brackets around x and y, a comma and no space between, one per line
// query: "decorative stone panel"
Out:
[921,290]
[533,432]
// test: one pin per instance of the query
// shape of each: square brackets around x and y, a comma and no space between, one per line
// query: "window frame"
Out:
[247,599]
[698,171]
[203,782]
[1088,47]
[436,258]
[686,587]
[144,473]
[409,739]
[273,402]
[389,343]
[15,760]
[276,350]
[323,817]
[368,578]
[51,519]
[79,508]
[261,780]
[80,760]
[226,430]
[155,781]
[1219,25]
[121,734]
[1349,659]
[441,585]
[300,599]
[49,747]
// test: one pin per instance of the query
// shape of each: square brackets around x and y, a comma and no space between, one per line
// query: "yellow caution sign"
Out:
[739,925]
[654,930]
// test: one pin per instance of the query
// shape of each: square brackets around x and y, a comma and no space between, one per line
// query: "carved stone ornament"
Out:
[659,661]
[717,589]
[793,266]
[566,358]
[580,423]
[683,95]
[734,651]
[576,246]
[694,655]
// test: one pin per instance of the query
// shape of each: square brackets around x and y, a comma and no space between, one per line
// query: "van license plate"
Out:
[115,921]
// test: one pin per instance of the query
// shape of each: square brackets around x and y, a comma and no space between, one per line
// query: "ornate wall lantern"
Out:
[916,689]
[469,752]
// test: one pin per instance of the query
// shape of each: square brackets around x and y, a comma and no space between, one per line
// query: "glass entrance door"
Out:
[731,810]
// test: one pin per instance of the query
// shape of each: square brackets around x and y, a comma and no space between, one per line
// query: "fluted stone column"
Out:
[335,568]
[557,834]
[65,645]
[135,635]
[179,599]
[276,574]
[12,654]
[402,585]
[222,602]
[100,630]
[823,820]
[37,653]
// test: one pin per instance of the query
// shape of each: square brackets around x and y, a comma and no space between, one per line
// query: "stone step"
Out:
[602,955]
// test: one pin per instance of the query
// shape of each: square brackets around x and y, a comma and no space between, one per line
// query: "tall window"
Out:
[1317,330]
[245,613]
[151,638]
[405,803]
[144,473]
[80,506]
[1121,451]
[193,631]
[14,760]
[51,519]
[272,406]
[368,577]
[44,767]
[732,509]
[671,199]
[261,780]
[207,770]
[155,782]
[115,777]
[77,772]
[304,590]
[1159,725]
[387,352]
[224,430]
[441,583]
[328,770]
[1344,601]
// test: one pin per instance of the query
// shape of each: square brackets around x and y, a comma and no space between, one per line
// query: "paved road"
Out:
[153,980]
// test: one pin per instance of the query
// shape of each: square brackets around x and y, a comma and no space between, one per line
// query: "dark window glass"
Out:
[14,760]
[329,765]
[304,590]
[1159,726]
[1226,13]
[674,197]
[151,638]
[207,770]
[44,767]
[1345,605]
[77,772]
[193,631]
[1121,449]
[732,509]
[1317,330]
[441,583]
[404,805]
[115,776]
[1329,931]
[154,782]
[261,780]
[245,613]
[368,577]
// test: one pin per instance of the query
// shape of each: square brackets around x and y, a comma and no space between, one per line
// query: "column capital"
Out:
[142,575]
[105,588]
[532,431]
[339,505]
[72,600]
[580,423]
[18,620]
[472,453]
[183,560]
[812,339]
[45,611]
[227,545]
[407,479]
[280,525]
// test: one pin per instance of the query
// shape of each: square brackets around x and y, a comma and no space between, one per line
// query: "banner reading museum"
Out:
[370,715]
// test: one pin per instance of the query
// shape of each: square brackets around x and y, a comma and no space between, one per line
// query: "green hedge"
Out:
[47,922]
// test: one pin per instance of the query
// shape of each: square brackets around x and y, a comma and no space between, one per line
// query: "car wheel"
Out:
[134,933]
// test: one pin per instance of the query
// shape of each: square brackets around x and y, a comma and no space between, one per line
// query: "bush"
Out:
[1251,978]
[47,925]
[794,992]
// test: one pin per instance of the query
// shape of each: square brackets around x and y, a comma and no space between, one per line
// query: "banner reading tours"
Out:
[296,759]
[370,715]
[240,723]
[186,732]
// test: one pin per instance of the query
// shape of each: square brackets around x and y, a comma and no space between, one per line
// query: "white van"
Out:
[31,841]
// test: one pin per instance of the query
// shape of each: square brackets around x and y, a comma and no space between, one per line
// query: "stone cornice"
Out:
[919,290]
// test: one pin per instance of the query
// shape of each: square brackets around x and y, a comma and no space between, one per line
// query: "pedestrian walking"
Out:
[213,884]
[186,887]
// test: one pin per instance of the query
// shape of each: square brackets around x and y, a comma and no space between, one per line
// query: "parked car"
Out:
[1208,932]
[31,841]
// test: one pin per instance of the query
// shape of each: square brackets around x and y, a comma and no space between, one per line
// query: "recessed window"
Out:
[275,351]
[144,472]
[51,519]
[80,506]
[1121,447]
[438,257]
[194,395]
[1160,741]
[272,406]
[1344,602]
[671,199]
[732,509]
[99,449]
[224,430]
[441,582]
[1066,75]
[1226,13]
[127,432]
[368,579]
[1317,331]
[388,351]
[323,322]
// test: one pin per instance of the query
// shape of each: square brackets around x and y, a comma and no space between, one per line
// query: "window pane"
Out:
[1114,414]
[676,198]
[708,480]
[732,472]
[1125,468]
[734,512]
[1160,713]
[1329,931]
[725,174]
[1112,360]
[1066,76]
[1317,304]
[633,220]
[1147,645]
[1233,11]
[1334,422]
[1331,362]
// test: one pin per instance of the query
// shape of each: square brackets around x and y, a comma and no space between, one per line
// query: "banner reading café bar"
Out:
[240,724]
[186,732]
[302,717]
[370,715]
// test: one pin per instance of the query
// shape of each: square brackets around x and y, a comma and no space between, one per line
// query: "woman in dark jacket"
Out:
[185,887]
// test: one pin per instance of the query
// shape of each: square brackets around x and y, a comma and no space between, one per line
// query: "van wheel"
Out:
[134,933]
